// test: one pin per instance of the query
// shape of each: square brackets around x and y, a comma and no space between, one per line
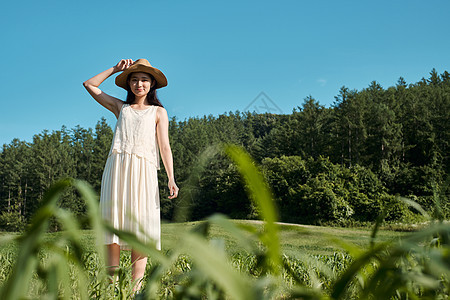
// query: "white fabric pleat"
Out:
[129,198]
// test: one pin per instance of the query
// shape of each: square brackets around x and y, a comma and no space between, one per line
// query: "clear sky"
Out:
[218,56]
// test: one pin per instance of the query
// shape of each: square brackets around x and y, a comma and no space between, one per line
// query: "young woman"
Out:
[129,197]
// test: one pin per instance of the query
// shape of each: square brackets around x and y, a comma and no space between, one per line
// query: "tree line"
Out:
[345,163]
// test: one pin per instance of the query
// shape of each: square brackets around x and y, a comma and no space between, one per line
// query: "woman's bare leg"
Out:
[113,258]
[139,262]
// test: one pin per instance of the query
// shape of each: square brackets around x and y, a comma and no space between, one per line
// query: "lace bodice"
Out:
[135,133]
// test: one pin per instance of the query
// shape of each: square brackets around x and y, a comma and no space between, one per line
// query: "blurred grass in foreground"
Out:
[416,265]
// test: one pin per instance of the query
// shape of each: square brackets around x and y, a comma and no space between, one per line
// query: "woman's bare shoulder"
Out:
[161,110]
[161,113]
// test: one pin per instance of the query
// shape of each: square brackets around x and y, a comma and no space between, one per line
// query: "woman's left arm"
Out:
[162,131]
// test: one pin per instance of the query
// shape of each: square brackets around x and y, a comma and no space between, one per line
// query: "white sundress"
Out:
[129,197]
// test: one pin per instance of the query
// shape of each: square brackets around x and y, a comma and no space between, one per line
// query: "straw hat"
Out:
[142,65]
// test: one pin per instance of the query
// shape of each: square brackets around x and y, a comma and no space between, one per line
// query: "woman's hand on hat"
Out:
[123,64]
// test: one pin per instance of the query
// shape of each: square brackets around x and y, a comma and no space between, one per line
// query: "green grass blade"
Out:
[96,222]
[17,284]
[213,263]
[344,279]
[190,186]
[235,231]
[416,206]
[260,193]
[378,223]
[131,239]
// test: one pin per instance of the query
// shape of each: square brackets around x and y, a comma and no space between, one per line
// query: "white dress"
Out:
[129,197]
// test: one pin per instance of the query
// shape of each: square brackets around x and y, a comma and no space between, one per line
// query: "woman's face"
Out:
[140,83]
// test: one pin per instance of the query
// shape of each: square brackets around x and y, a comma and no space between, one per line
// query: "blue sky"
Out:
[217,56]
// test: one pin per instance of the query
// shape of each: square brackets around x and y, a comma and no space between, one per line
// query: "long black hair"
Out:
[152,97]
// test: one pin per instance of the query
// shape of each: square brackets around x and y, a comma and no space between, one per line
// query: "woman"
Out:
[129,197]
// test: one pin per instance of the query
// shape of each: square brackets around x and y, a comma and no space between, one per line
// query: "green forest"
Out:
[345,164]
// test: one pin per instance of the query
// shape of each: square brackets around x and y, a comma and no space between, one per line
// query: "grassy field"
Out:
[295,241]
[294,238]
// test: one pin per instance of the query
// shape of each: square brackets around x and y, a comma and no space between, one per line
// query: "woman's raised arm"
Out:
[92,86]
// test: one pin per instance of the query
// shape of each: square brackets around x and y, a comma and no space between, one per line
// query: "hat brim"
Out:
[161,80]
